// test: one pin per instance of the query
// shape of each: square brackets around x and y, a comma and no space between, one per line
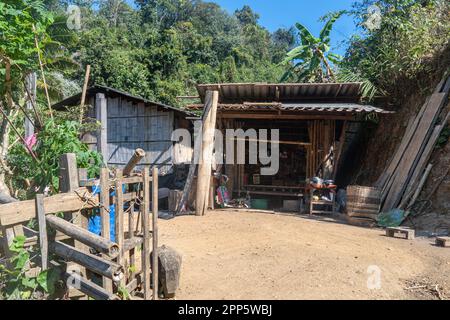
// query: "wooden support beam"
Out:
[138,155]
[145,259]
[155,232]
[204,167]
[43,241]
[94,263]
[90,239]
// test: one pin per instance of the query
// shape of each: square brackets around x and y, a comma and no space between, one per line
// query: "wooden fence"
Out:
[62,221]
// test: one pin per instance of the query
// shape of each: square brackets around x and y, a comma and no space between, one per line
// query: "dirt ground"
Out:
[253,255]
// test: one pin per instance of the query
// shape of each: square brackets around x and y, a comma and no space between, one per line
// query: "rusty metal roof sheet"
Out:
[306,107]
[75,99]
[240,92]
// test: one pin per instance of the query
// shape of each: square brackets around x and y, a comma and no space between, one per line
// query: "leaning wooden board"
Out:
[413,151]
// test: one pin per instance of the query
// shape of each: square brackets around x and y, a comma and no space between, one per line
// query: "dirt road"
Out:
[253,255]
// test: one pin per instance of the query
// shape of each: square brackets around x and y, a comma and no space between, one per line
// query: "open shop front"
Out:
[305,149]
[312,121]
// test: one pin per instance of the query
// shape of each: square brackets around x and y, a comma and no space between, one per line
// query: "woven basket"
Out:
[363,202]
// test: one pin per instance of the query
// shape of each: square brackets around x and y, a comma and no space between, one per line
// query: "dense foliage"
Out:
[161,48]
[56,138]
[409,35]
[16,283]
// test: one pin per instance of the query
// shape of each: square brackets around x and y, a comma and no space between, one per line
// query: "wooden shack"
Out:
[128,122]
[311,117]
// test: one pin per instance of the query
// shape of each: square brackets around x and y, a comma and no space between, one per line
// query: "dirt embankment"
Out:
[383,140]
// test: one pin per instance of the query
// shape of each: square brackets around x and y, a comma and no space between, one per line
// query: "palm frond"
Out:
[368,89]
[300,52]
[306,36]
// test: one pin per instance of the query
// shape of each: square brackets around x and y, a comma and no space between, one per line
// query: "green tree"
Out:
[311,60]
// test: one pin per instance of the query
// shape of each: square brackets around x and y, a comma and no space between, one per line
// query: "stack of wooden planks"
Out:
[406,174]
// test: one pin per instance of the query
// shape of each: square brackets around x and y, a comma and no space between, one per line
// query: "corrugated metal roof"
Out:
[75,99]
[240,92]
[307,107]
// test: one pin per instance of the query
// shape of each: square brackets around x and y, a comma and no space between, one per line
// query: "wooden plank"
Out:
[43,241]
[155,232]
[426,154]
[102,117]
[410,129]
[145,259]
[22,211]
[406,162]
[420,186]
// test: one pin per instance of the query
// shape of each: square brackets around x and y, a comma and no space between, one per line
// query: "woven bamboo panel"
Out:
[363,202]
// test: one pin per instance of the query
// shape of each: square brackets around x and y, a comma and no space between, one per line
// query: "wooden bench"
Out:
[443,242]
[401,232]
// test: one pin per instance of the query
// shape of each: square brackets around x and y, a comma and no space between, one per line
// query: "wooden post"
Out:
[102,116]
[204,168]
[68,172]
[155,232]
[119,218]
[43,242]
[135,159]
[68,182]
[146,229]
[131,234]
[105,216]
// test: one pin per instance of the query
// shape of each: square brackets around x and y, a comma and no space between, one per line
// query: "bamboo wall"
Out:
[133,125]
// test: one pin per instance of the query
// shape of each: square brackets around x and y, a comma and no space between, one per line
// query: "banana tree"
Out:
[311,61]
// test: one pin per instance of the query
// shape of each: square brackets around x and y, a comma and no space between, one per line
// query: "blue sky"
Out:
[285,13]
